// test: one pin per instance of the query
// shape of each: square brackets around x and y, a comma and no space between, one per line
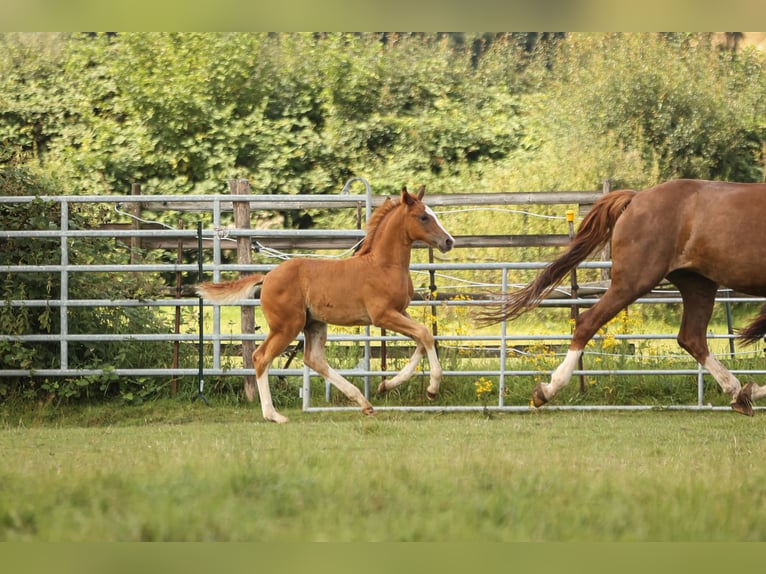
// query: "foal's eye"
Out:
[424,218]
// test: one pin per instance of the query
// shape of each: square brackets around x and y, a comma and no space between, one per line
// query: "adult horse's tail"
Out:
[230,292]
[593,233]
[756,330]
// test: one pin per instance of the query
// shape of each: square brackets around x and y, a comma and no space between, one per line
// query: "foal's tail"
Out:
[593,233]
[230,292]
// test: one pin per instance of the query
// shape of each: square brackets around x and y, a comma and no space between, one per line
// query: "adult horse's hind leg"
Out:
[620,294]
[314,356]
[698,294]
[753,333]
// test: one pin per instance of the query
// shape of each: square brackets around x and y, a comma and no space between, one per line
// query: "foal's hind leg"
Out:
[314,356]
[279,337]
[263,356]
[698,294]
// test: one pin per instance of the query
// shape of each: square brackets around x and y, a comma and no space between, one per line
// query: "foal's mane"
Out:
[374,224]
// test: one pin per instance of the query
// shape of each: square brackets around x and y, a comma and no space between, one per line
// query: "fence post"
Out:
[135,209]
[64,289]
[432,288]
[244,244]
[606,254]
[729,325]
[575,292]
[177,323]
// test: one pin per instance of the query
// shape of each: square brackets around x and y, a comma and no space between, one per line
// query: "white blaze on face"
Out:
[430,212]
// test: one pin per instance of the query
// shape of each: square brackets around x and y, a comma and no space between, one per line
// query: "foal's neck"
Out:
[392,245]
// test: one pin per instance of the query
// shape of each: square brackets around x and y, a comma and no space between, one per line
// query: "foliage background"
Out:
[300,113]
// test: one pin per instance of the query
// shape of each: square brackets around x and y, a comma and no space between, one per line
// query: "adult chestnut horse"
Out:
[699,235]
[371,288]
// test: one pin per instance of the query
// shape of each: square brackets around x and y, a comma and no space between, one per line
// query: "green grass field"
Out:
[178,471]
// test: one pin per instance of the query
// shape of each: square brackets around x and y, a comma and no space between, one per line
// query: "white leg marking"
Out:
[347,388]
[314,356]
[406,373]
[757,392]
[267,407]
[729,383]
[409,369]
[436,371]
[560,377]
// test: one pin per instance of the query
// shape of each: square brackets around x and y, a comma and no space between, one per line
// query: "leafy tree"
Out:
[32,107]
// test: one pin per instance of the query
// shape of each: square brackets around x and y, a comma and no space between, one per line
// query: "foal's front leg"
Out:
[402,323]
[405,374]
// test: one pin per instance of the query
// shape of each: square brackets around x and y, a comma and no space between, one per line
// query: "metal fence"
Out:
[214,238]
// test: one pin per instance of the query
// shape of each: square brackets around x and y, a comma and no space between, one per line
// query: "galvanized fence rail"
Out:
[214,237]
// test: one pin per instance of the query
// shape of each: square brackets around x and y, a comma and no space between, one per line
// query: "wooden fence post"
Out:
[244,244]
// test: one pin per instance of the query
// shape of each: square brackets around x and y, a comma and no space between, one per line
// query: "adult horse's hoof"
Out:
[369,411]
[431,396]
[743,404]
[538,397]
[382,390]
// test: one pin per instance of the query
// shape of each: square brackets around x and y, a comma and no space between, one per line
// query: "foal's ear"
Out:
[421,192]
[406,197]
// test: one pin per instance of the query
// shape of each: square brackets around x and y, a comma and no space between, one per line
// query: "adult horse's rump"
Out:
[371,288]
[698,235]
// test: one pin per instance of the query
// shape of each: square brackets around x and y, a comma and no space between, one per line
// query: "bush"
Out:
[644,108]
[25,320]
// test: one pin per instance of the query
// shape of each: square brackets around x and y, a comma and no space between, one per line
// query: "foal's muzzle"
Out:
[446,245]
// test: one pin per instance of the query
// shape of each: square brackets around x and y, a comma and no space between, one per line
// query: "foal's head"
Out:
[422,224]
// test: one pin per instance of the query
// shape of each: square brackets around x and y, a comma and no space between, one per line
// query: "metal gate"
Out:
[214,235]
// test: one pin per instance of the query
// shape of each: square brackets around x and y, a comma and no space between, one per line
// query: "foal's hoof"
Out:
[431,396]
[382,390]
[538,397]
[743,404]
[369,411]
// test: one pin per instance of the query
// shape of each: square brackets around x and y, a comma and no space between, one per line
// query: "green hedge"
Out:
[96,354]
[300,113]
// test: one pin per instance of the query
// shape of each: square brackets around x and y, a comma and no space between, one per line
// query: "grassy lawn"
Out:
[179,471]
